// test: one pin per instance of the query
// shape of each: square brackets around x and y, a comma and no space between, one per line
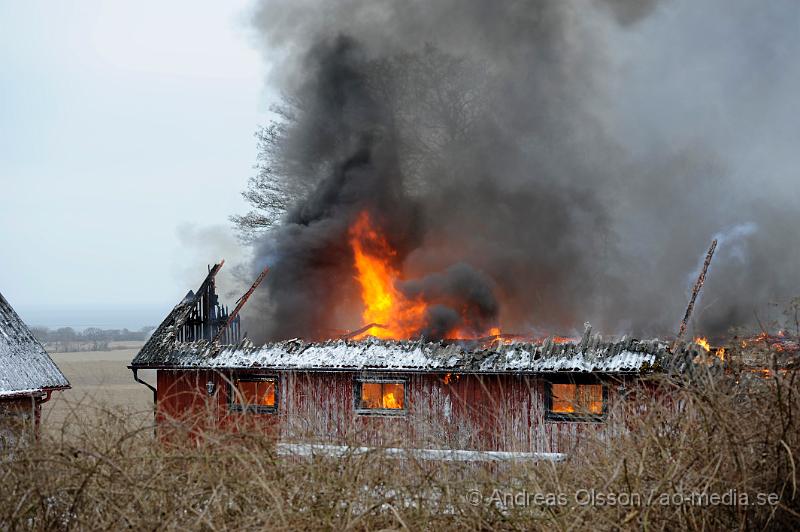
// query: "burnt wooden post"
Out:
[698,285]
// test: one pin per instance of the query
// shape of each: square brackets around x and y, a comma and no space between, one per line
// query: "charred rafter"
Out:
[698,285]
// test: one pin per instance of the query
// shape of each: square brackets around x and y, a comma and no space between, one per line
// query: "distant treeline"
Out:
[90,339]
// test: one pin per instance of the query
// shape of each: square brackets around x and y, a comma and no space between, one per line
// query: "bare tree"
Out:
[434,101]
[270,192]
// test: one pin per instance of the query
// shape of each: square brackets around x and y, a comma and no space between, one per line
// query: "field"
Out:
[100,380]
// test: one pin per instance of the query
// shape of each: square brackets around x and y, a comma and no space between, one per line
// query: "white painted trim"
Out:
[448,455]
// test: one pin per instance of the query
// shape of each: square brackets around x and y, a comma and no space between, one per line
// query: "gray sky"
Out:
[126,133]
[126,137]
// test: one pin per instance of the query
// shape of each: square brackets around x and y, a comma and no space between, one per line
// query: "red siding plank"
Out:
[486,412]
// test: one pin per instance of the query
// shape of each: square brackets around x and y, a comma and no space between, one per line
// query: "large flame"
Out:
[391,314]
[394,315]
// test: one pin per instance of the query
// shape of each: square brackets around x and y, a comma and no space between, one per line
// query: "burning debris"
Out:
[783,342]
[705,346]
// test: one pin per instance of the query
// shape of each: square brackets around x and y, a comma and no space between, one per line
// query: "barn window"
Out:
[576,401]
[254,394]
[385,396]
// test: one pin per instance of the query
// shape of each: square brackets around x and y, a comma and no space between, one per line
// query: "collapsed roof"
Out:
[176,344]
[25,367]
[198,316]
[169,333]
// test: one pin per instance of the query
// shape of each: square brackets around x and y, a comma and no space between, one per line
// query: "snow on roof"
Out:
[590,355]
[20,393]
[25,367]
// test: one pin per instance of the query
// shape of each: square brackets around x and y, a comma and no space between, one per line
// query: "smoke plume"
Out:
[539,163]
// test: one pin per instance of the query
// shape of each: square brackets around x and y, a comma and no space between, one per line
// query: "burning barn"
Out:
[432,196]
[28,376]
[489,394]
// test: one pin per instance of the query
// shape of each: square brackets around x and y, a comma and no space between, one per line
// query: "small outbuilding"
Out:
[28,376]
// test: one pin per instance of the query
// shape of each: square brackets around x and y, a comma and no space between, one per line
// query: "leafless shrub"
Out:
[683,442]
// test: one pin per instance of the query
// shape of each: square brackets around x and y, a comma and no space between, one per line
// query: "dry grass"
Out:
[730,434]
[100,381]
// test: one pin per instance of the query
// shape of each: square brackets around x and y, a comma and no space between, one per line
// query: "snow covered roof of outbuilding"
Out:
[25,367]
[590,355]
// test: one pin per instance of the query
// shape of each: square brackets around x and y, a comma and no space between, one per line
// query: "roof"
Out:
[165,337]
[25,367]
[165,349]
[590,355]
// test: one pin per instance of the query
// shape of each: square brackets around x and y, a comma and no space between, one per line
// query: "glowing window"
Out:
[576,401]
[254,394]
[380,396]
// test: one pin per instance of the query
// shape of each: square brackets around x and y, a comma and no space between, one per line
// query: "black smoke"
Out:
[540,163]
[463,297]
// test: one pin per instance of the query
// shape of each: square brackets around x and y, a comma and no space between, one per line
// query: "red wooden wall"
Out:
[482,412]
[19,419]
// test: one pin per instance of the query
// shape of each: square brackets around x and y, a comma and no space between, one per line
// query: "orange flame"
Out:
[394,315]
[389,401]
[719,352]
[565,340]
[449,377]
[703,342]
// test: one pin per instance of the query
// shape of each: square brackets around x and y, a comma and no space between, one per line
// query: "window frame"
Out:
[233,406]
[574,417]
[358,381]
